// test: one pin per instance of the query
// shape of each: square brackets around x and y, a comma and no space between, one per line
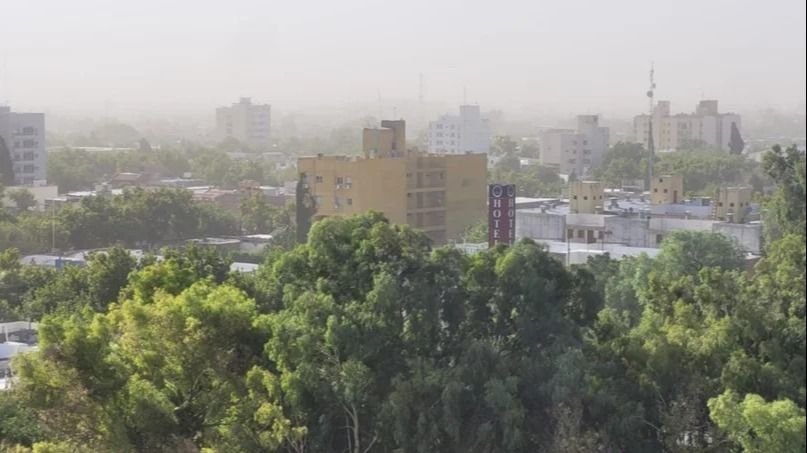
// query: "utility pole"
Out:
[650,142]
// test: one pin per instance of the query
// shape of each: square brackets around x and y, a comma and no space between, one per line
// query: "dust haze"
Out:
[527,57]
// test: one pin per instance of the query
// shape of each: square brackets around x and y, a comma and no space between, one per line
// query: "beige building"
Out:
[667,189]
[732,203]
[706,126]
[440,195]
[585,197]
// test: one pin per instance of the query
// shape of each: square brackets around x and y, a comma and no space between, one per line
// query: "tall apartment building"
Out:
[575,151]
[439,194]
[247,122]
[706,126]
[467,132]
[24,134]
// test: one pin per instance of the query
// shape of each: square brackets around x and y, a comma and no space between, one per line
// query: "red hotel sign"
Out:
[501,214]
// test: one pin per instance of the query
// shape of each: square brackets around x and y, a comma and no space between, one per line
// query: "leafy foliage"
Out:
[364,339]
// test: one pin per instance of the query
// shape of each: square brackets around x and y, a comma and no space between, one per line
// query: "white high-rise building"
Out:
[24,134]
[575,151]
[467,132]
[246,122]
[671,132]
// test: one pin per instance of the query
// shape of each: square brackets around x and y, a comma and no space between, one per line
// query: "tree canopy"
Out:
[365,339]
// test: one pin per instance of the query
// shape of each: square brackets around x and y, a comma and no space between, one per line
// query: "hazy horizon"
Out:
[91,56]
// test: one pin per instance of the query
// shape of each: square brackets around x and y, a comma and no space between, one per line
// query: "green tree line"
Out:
[365,339]
[141,219]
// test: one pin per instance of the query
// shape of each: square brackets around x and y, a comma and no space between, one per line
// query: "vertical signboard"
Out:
[501,214]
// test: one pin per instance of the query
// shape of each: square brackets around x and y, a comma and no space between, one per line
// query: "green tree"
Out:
[623,161]
[22,198]
[785,209]
[148,376]
[6,165]
[736,143]
[759,426]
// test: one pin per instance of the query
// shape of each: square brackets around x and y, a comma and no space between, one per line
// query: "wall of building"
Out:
[377,184]
[671,132]
[747,235]
[24,134]
[247,122]
[732,203]
[466,192]
[586,197]
[629,231]
[40,193]
[467,132]
[441,195]
[667,189]
[575,151]
[534,224]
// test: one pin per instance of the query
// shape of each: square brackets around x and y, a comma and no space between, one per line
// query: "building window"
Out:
[731,205]
[585,197]
[28,130]
[600,234]
[350,202]
[581,233]
[28,155]
[28,144]
[28,169]
[659,238]
[339,181]
[317,201]
[574,197]
[655,190]
[318,178]
[665,190]
[570,233]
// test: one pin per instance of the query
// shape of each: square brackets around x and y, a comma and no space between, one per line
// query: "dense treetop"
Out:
[365,339]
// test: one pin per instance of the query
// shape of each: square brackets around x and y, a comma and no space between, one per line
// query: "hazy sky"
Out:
[584,55]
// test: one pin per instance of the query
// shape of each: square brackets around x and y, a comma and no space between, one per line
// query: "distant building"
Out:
[672,132]
[586,197]
[575,151]
[667,189]
[24,134]
[467,132]
[439,194]
[623,223]
[246,122]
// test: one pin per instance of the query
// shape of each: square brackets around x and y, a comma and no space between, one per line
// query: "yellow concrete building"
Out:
[667,189]
[732,203]
[586,197]
[440,195]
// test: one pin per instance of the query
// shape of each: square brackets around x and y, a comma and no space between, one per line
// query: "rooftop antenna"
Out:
[650,142]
